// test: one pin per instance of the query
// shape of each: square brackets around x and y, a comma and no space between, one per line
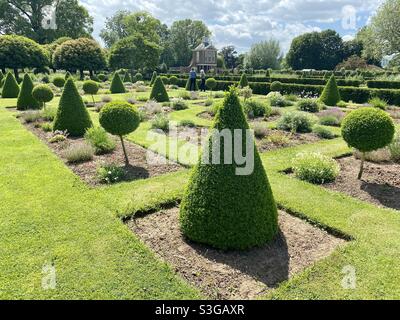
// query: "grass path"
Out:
[49,215]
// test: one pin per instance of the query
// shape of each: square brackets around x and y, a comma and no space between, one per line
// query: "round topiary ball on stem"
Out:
[43,94]
[222,207]
[211,83]
[368,129]
[59,82]
[276,86]
[120,119]
[91,87]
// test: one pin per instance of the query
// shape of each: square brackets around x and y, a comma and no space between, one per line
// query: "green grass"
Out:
[48,214]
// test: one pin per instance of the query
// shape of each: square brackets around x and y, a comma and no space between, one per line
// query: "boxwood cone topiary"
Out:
[127,78]
[10,87]
[221,208]
[25,98]
[117,85]
[72,114]
[158,92]
[243,81]
[331,96]
[368,129]
[153,78]
[120,118]
[43,94]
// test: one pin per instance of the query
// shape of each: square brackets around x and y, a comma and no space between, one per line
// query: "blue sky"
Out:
[244,22]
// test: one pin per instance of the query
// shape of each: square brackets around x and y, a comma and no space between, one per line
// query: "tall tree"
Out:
[372,49]
[230,56]
[264,55]
[185,36]
[125,23]
[386,26]
[25,17]
[316,50]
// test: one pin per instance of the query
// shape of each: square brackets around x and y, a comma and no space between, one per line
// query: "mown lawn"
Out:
[49,215]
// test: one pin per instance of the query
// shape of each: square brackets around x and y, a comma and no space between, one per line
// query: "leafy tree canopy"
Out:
[264,55]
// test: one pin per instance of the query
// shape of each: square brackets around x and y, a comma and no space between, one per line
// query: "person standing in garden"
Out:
[193,78]
[203,81]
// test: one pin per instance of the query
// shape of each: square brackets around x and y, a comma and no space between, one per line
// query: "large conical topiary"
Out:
[243,81]
[222,208]
[25,98]
[153,78]
[158,92]
[331,96]
[117,85]
[10,87]
[72,114]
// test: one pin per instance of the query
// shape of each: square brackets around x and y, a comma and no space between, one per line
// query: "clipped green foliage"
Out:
[67,75]
[368,129]
[1,77]
[127,77]
[25,99]
[173,80]
[10,87]
[120,118]
[153,78]
[59,82]
[43,94]
[91,87]
[276,86]
[117,85]
[158,92]
[217,208]
[72,114]
[331,96]
[211,83]
[243,81]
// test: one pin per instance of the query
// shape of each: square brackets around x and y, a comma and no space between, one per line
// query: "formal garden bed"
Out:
[235,274]
[380,184]
[144,164]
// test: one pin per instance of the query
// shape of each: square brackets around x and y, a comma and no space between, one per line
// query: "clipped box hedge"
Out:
[380,84]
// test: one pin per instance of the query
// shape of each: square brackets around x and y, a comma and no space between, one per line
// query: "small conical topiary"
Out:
[220,207]
[153,78]
[243,81]
[331,96]
[127,78]
[10,87]
[117,86]
[25,99]
[158,92]
[187,87]
[72,114]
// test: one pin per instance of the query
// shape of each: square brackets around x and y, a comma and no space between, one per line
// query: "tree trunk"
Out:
[91,74]
[16,74]
[82,74]
[125,154]
[361,166]
[3,70]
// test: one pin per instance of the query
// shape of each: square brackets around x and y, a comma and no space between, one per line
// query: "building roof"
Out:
[205,46]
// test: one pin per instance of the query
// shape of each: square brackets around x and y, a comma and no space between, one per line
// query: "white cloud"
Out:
[244,22]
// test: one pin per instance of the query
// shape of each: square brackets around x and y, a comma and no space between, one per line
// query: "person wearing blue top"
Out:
[193,79]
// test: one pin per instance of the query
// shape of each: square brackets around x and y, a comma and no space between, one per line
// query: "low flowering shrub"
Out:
[315,168]
[297,122]
[110,173]
[78,153]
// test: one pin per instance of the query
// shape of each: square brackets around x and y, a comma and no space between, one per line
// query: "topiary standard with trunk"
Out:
[243,81]
[120,119]
[221,208]
[330,96]
[158,91]
[25,99]
[72,114]
[43,94]
[117,86]
[368,129]
[91,87]
[10,87]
